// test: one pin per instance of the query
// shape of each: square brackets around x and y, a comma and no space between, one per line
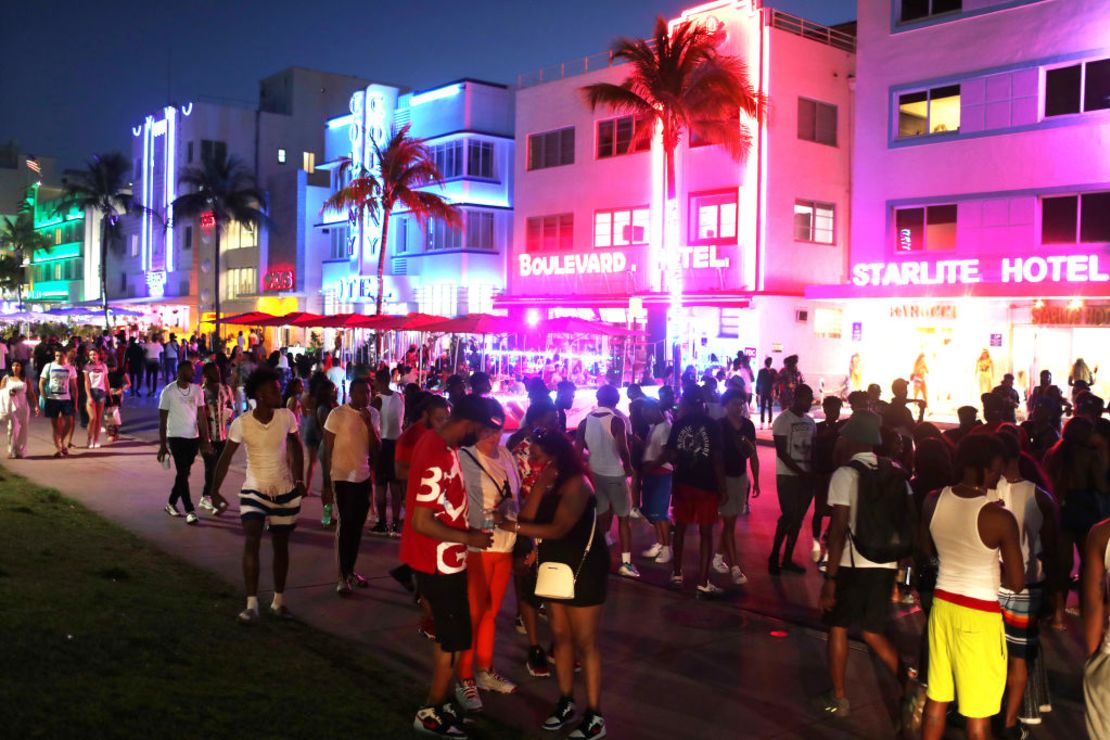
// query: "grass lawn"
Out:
[102,635]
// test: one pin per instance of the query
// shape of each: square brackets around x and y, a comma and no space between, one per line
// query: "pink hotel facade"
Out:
[588,210]
[944,191]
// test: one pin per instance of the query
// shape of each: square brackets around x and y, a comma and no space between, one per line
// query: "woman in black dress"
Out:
[560,511]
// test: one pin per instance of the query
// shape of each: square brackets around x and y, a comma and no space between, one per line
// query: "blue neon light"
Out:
[448,91]
[341,121]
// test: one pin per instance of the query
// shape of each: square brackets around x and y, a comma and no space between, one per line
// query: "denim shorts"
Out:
[656,497]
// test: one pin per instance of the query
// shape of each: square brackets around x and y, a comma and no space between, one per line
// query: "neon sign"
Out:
[279,280]
[208,221]
[1075,268]
[357,289]
[701,257]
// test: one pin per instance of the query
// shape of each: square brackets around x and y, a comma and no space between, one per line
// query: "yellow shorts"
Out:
[967,658]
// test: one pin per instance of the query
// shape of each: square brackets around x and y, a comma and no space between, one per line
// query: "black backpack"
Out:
[886,518]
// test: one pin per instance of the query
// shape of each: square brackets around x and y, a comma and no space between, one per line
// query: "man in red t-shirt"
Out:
[434,542]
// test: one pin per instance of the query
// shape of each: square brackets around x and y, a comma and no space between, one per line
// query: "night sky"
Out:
[76,75]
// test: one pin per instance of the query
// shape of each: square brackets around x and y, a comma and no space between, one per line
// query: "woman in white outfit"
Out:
[17,397]
[96,391]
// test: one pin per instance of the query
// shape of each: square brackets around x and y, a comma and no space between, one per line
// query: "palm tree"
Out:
[404,166]
[18,235]
[225,188]
[104,186]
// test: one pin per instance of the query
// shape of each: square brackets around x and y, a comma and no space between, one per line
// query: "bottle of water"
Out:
[487,520]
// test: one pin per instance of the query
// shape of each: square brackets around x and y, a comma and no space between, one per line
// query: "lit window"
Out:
[310,162]
[622,135]
[1077,88]
[935,111]
[713,218]
[57,236]
[134,245]
[925,228]
[915,10]
[1067,219]
[479,159]
[621,228]
[551,149]
[827,322]
[442,236]
[281,156]
[816,122]
[550,233]
[448,158]
[241,281]
[813,222]
[238,236]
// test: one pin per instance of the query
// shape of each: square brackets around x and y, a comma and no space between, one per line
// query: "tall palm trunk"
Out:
[104,269]
[20,276]
[381,277]
[216,282]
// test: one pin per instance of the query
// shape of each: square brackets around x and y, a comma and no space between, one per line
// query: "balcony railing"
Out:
[780,20]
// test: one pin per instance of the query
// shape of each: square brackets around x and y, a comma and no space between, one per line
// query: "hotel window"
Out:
[814,222]
[281,156]
[57,270]
[442,236]
[915,10]
[214,150]
[238,236]
[479,159]
[479,230]
[189,152]
[241,281]
[925,228]
[621,228]
[551,149]
[449,159]
[713,218]
[1077,88]
[550,233]
[934,111]
[816,122]
[1067,219]
[400,226]
[340,247]
[309,162]
[188,243]
[622,135]
[134,245]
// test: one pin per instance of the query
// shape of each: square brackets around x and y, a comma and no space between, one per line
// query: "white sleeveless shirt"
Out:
[967,566]
[604,459]
[393,415]
[1021,499]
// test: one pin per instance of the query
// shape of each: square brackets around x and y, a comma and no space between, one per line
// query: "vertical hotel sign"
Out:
[159,190]
[371,124]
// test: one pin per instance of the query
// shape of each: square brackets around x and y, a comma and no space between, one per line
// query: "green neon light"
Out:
[57,252]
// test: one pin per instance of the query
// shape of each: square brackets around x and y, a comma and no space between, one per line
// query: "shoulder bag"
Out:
[555,580]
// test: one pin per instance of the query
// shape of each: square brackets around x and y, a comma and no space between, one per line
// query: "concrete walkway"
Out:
[746,666]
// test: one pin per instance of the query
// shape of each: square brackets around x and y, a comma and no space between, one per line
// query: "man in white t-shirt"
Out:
[350,440]
[337,374]
[58,389]
[794,430]
[152,360]
[182,432]
[273,485]
[856,591]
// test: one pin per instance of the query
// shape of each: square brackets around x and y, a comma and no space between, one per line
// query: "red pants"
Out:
[487,578]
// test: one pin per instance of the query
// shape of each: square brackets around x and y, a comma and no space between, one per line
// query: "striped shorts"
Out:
[281,510]
[1020,613]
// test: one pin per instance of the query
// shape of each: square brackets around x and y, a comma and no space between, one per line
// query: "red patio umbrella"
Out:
[417,321]
[289,318]
[250,318]
[475,323]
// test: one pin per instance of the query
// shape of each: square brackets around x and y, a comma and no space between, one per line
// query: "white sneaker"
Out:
[738,576]
[665,555]
[652,552]
[815,551]
[719,564]
[191,518]
[171,510]
[634,513]
[628,570]
[466,693]
[206,504]
[491,680]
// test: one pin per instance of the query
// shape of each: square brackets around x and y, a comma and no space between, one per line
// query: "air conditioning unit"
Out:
[801,315]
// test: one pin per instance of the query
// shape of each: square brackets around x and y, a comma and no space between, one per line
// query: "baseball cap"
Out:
[485,411]
[863,427]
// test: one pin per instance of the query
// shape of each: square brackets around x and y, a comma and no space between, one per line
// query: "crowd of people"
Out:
[980,524]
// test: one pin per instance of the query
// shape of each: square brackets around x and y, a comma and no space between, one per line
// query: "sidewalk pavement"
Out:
[748,665]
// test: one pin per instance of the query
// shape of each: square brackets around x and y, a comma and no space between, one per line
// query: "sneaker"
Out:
[829,706]
[343,586]
[652,552]
[206,504]
[537,663]
[518,624]
[561,715]
[665,555]
[708,591]
[676,580]
[815,551]
[466,694]
[171,510]
[248,617]
[395,530]
[628,570]
[738,576]
[593,726]
[380,529]
[635,513]
[191,518]
[791,567]
[719,564]
[491,680]
[436,721]
[325,518]
[281,612]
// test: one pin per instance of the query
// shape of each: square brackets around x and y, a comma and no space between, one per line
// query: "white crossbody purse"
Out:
[555,580]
